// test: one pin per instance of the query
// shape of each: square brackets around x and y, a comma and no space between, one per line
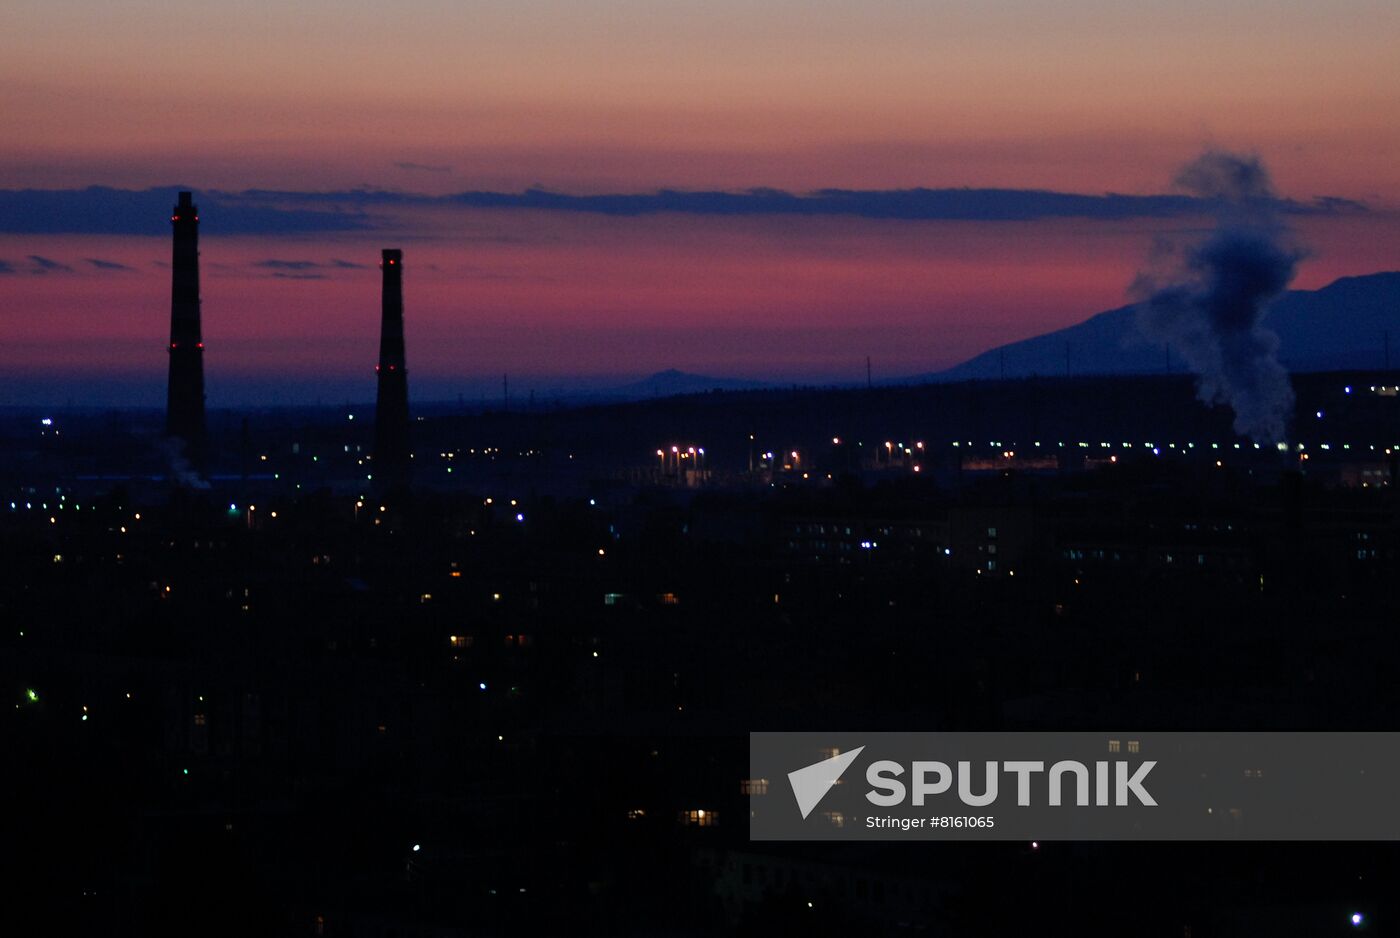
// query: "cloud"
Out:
[903,204]
[7,268]
[906,204]
[287,267]
[46,265]
[422,167]
[100,210]
[1331,204]
[101,264]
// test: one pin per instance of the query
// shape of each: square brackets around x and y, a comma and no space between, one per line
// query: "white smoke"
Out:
[180,469]
[1210,304]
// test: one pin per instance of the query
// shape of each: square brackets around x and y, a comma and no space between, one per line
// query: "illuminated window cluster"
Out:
[699,817]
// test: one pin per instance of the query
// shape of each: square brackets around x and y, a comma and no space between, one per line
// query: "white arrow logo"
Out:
[810,784]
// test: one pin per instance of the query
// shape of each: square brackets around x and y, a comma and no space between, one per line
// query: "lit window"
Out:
[753,786]
[460,641]
[699,817]
[1134,745]
[1113,745]
[835,818]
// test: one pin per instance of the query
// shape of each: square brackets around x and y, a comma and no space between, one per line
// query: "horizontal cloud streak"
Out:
[38,265]
[277,263]
[101,264]
[47,265]
[101,210]
[910,204]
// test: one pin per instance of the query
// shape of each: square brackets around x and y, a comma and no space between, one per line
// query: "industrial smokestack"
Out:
[184,402]
[391,453]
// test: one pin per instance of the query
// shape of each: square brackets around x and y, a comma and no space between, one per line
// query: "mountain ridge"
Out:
[1341,325]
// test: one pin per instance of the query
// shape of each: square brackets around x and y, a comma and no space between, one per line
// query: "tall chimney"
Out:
[184,402]
[391,454]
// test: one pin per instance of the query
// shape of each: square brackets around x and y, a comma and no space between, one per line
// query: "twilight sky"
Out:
[601,97]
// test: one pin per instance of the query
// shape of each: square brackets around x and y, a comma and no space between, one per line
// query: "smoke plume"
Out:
[1209,304]
[182,472]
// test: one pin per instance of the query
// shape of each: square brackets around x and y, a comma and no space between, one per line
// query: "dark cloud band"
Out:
[100,210]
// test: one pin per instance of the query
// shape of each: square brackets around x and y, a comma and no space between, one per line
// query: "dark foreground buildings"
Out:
[184,409]
[510,705]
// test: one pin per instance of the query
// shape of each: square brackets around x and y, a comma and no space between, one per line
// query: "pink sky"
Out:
[625,96]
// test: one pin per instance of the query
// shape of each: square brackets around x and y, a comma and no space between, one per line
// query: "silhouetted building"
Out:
[391,454]
[184,408]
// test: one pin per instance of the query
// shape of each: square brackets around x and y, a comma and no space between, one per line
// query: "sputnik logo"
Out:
[810,784]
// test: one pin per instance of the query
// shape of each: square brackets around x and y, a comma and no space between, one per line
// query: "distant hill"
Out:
[671,382]
[1343,325]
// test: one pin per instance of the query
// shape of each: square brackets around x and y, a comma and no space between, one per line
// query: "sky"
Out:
[316,133]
